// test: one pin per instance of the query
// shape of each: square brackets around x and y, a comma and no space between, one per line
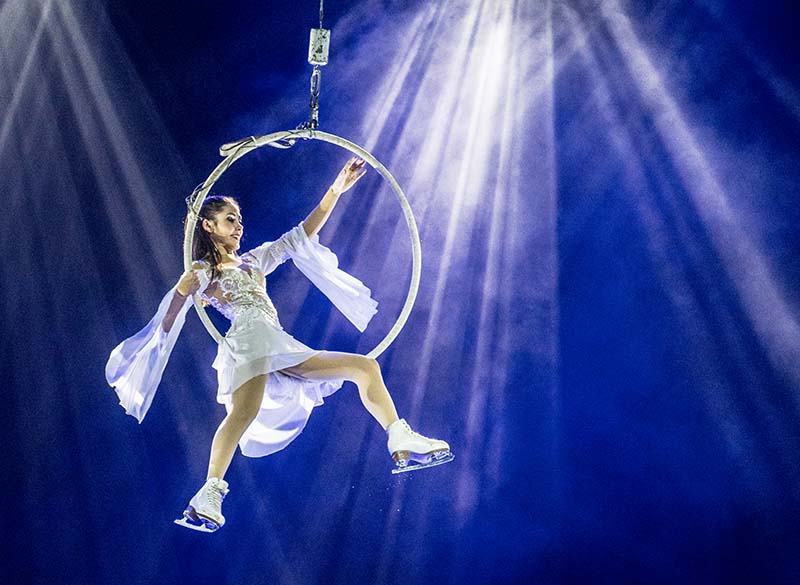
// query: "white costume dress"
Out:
[255,344]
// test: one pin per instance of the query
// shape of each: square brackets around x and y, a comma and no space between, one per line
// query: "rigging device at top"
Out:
[318,48]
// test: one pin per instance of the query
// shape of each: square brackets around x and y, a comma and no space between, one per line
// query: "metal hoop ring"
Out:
[285,139]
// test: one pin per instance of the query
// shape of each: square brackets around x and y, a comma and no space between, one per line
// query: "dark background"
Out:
[607,327]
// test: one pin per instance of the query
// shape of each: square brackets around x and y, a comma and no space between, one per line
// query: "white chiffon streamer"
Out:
[135,366]
[321,267]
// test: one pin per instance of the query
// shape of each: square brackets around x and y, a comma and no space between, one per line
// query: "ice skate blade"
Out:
[199,528]
[194,521]
[428,460]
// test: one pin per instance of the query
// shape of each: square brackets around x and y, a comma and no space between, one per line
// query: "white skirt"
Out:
[255,346]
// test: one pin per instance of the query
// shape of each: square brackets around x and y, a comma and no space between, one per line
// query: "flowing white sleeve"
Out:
[321,267]
[135,367]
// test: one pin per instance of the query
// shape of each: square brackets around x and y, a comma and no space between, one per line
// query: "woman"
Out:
[268,381]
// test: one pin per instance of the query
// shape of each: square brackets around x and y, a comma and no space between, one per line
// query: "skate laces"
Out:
[214,497]
[412,431]
[215,494]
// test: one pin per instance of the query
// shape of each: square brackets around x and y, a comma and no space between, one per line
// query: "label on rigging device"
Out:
[318,46]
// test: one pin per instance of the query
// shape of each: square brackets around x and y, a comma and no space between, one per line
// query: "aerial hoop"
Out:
[286,139]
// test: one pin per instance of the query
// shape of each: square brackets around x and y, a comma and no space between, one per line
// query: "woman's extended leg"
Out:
[245,405]
[204,511]
[363,371]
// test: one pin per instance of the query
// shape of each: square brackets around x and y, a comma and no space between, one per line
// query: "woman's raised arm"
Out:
[352,172]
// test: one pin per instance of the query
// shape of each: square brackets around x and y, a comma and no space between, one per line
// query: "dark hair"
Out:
[203,247]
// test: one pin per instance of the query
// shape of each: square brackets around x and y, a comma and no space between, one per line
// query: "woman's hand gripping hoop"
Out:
[353,170]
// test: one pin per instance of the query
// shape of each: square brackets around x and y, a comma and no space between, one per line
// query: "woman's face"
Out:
[226,229]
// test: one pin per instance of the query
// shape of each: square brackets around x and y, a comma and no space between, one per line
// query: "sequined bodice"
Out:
[242,296]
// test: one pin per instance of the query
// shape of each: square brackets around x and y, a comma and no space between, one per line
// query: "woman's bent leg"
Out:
[363,371]
[405,445]
[246,401]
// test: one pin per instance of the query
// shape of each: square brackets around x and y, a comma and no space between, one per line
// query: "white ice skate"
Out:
[406,445]
[204,512]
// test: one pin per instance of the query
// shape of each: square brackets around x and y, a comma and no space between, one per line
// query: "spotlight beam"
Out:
[762,300]
[26,75]
[721,406]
